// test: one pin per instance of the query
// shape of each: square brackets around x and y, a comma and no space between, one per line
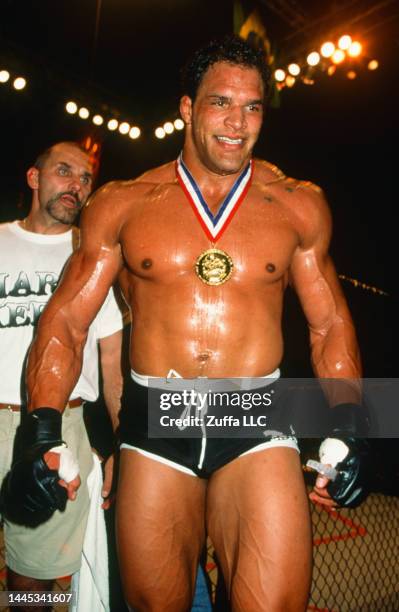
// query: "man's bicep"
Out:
[312,272]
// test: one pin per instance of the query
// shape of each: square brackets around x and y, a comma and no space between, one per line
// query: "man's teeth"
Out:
[234,141]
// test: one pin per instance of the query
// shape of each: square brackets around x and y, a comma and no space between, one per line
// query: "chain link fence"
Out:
[356,557]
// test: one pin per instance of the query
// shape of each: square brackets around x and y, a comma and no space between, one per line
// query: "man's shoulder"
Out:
[124,194]
[267,173]
[303,201]
[159,176]
[148,181]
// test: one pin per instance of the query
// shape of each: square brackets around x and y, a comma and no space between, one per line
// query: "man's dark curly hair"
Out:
[231,49]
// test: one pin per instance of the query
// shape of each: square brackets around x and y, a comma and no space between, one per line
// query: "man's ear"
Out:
[32,177]
[186,109]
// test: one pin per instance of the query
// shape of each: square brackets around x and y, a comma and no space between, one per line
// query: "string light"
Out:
[124,127]
[112,125]
[134,132]
[355,49]
[294,69]
[168,127]
[19,83]
[98,120]
[327,49]
[313,58]
[71,107]
[338,56]
[336,53]
[345,42]
[357,283]
[279,75]
[4,76]
[84,113]
[160,133]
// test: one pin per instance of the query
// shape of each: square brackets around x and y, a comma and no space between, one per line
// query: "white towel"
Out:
[90,583]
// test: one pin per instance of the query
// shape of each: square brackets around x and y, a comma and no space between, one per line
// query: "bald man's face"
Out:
[64,183]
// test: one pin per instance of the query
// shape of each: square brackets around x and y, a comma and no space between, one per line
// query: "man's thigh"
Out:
[54,548]
[160,532]
[258,519]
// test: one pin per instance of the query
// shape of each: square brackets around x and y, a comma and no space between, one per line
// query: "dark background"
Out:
[126,55]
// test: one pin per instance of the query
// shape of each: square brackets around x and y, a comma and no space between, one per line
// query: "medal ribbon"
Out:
[214,226]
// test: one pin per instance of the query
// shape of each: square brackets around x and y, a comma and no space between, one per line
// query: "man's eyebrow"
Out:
[66,165]
[63,163]
[219,96]
[258,101]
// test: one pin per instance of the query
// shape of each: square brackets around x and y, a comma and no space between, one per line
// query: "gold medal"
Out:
[214,267]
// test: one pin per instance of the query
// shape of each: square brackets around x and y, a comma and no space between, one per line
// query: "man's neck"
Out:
[37,224]
[211,182]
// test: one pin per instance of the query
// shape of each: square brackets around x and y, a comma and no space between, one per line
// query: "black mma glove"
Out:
[348,454]
[30,492]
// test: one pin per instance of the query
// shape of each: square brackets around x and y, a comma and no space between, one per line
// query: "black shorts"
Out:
[192,453]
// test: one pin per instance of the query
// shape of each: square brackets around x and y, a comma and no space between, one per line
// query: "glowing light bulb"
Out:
[345,42]
[355,49]
[160,132]
[134,132]
[338,56]
[83,113]
[168,127]
[313,58]
[98,120]
[279,75]
[19,83]
[112,124]
[179,124]
[327,49]
[124,127]
[71,107]
[294,69]
[4,76]
[373,64]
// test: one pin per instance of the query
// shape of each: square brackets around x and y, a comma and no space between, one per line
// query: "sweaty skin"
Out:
[179,322]
[145,234]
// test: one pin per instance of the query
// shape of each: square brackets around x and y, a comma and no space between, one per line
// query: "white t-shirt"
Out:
[30,266]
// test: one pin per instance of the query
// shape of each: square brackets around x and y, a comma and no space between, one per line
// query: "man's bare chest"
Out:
[165,237]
